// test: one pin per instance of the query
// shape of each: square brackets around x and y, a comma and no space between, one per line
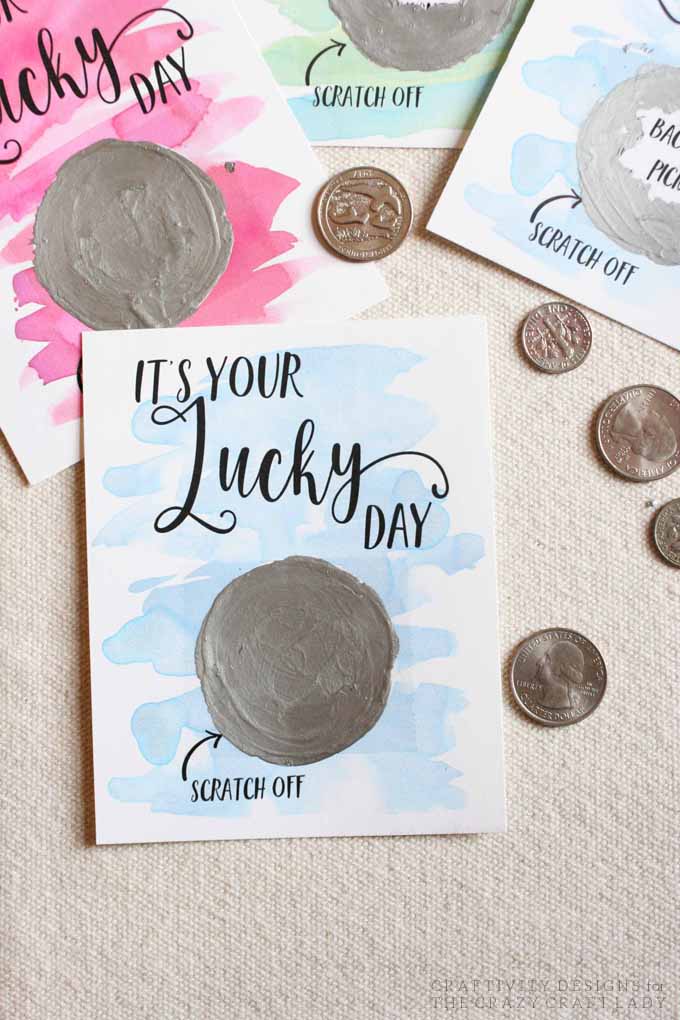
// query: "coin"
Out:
[638,433]
[557,338]
[558,677]
[364,214]
[667,532]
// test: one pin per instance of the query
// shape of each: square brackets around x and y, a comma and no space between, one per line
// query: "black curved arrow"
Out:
[335,45]
[575,199]
[664,8]
[211,736]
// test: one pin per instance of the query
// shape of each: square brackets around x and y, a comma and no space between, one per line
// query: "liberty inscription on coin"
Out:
[557,338]
[364,214]
[558,677]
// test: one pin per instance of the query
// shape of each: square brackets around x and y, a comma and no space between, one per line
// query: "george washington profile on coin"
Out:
[558,672]
[558,677]
[638,433]
[648,433]
[667,532]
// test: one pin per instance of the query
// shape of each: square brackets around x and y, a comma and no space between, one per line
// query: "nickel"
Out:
[638,433]
[364,214]
[557,338]
[558,677]
[667,532]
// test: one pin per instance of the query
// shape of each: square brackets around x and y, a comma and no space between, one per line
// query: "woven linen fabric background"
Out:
[585,885]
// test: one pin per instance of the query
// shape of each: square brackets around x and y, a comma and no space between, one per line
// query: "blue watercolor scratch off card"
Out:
[292,581]
[572,174]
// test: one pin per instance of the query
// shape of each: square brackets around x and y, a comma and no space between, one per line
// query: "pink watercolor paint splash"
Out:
[196,124]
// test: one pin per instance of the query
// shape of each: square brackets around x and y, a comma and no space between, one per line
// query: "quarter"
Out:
[638,433]
[364,214]
[667,532]
[558,677]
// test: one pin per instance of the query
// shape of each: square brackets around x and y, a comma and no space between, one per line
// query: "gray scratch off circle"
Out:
[131,235]
[617,202]
[295,661]
[417,37]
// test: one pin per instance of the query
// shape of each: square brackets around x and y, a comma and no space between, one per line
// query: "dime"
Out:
[364,214]
[667,532]
[638,433]
[558,677]
[557,338]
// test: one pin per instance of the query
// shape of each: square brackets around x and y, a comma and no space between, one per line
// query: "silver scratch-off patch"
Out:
[131,235]
[295,661]
[422,37]
[621,159]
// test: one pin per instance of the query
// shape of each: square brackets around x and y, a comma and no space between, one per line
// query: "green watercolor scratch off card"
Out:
[399,73]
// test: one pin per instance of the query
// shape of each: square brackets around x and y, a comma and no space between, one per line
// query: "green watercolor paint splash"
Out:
[312,15]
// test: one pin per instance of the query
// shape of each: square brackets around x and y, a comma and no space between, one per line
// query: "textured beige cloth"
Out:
[584,886]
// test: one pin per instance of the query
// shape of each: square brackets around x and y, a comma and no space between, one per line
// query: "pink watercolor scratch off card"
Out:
[150,175]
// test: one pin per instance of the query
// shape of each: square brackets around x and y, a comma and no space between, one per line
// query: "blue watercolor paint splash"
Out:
[400,755]
[402,748]
[576,83]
